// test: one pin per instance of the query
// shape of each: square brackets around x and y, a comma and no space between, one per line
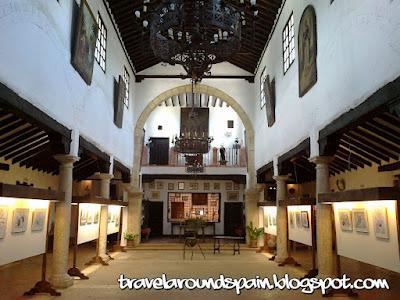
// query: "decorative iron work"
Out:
[195,34]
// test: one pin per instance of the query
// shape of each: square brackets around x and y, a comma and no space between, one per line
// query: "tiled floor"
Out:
[151,263]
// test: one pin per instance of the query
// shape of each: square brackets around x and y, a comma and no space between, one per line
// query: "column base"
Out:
[287,261]
[97,260]
[42,287]
[75,272]
[118,248]
[61,281]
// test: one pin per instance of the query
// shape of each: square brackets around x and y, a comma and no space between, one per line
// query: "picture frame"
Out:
[380,223]
[304,219]
[171,186]
[96,217]
[228,186]
[86,32]
[291,219]
[345,220]
[20,220]
[236,186]
[119,102]
[360,219]
[181,186]
[155,195]
[206,186]
[232,196]
[160,185]
[193,186]
[3,221]
[82,217]
[152,185]
[273,220]
[265,219]
[217,186]
[298,219]
[38,219]
[89,218]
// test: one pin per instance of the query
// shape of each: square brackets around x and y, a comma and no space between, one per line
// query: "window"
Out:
[263,82]
[101,43]
[230,123]
[126,79]
[288,44]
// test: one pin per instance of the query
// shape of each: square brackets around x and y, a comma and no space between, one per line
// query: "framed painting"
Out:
[85,43]
[273,220]
[206,186]
[307,47]
[217,186]
[265,219]
[171,186]
[380,221]
[345,220]
[193,186]
[20,220]
[89,218]
[360,218]
[228,186]
[96,217]
[3,221]
[236,186]
[291,219]
[304,219]
[119,98]
[298,219]
[83,217]
[152,185]
[155,195]
[160,185]
[232,196]
[38,219]
[181,186]
[269,87]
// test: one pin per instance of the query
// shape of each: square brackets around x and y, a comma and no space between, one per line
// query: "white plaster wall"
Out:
[358,52]
[366,247]
[17,246]
[301,235]
[35,55]
[88,232]
[169,119]
[219,227]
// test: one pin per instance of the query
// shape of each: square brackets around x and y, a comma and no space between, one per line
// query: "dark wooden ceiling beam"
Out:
[349,159]
[375,147]
[354,156]
[352,143]
[378,140]
[33,151]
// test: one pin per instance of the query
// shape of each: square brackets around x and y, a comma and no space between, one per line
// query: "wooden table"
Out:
[181,225]
[235,239]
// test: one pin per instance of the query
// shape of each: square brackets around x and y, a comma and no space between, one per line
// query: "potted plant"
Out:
[131,239]
[254,233]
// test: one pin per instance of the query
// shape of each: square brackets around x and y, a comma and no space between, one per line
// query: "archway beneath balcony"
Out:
[200,89]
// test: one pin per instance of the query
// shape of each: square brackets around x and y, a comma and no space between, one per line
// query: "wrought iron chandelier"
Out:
[196,33]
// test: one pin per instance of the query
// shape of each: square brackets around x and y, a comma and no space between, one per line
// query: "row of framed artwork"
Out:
[20,219]
[302,219]
[230,195]
[193,186]
[89,216]
[357,219]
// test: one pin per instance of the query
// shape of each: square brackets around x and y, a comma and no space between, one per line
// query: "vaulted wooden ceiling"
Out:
[138,46]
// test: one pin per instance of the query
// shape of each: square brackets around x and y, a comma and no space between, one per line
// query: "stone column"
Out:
[252,196]
[60,278]
[134,210]
[324,219]
[103,222]
[281,220]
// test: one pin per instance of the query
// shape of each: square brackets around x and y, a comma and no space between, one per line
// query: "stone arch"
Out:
[198,88]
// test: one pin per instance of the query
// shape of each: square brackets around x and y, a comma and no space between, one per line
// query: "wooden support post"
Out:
[43,286]
[74,271]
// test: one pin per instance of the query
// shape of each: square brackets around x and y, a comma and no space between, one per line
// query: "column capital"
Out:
[65,159]
[104,176]
[321,160]
[281,178]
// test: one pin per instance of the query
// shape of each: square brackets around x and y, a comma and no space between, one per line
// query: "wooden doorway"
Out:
[233,217]
[159,151]
[155,210]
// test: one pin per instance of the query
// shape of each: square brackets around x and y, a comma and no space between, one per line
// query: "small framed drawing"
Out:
[171,186]
[265,220]
[38,219]
[89,218]
[228,186]
[360,218]
[304,219]
[298,219]
[96,217]
[273,220]
[155,195]
[206,186]
[232,196]
[217,186]
[345,220]
[20,220]
[181,186]
[82,218]
[380,222]
[236,186]
[193,186]
[3,221]
[291,219]
[152,185]
[269,220]
[160,185]
[109,217]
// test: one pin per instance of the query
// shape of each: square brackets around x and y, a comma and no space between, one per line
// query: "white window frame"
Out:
[126,79]
[100,52]
[289,49]
[263,78]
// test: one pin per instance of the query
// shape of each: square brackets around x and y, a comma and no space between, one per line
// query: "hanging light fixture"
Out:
[197,33]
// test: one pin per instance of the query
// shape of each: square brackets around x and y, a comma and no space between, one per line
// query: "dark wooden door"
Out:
[156,218]
[233,217]
[159,151]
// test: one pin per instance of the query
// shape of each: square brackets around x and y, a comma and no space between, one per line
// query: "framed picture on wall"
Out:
[232,196]
[217,186]
[171,186]
[152,185]
[193,186]
[228,186]
[20,220]
[206,186]
[82,217]
[345,220]
[380,222]
[96,217]
[181,185]
[3,221]
[298,219]
[304,219]
[155,195]
[291,219]
[273,220]
[236,186]
[265,219]
[38,219]
[160,185]
[360,218]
